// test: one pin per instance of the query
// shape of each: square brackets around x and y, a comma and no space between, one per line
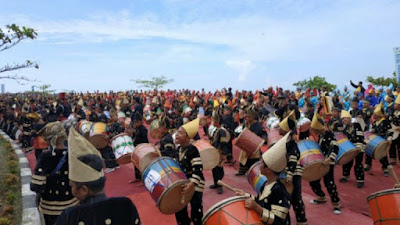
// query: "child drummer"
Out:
[330,148]
[273,201]
[189,160]
[380,127]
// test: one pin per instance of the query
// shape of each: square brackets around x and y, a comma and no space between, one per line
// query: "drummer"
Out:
[294,170]
[87,181]
[395,122]
[139,137]
[273,201]
[355,134]
[335,123]
[330,148]
[380,127]
[189,160]
[254,126]
[219,140]
[229,124]
[167,146]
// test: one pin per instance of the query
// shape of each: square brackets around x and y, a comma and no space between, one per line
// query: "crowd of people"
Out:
[69,176]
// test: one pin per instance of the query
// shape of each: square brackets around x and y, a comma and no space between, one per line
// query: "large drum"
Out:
[272,122]
[155,131]
[249,142]
[385,207]
[98,135]
[83,128]
[164,179]
[209,155]
[376,145]
[273,137]
[143,155]
[347,150]
[257,180]
[303,123]
[231,211]
[312,159]
[122,146]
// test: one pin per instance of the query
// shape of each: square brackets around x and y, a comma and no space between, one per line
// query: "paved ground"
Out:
[355,209]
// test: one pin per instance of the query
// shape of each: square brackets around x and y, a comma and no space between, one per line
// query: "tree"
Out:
[9,38]
[45,89]
[315,82]
[384,81]
[154,83]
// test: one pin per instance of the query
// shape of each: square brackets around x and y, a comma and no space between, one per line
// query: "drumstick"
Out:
[227,186]
[390,167]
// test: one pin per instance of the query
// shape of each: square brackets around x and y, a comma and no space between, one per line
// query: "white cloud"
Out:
[244,67]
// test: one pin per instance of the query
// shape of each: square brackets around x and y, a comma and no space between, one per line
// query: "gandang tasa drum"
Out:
[273,137]
[312,160]
[143,155]
[376,145]
[272,122]
[249,142]
[385,207]
[164,179]
[347,150]
[98,135]
[155,131]
[83,128]
[122,146]
[231,211]
[257,180]
[303,123]
[209,155]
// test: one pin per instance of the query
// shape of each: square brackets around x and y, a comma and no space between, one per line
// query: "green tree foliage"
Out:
[384,81]
[154,83]
[10,37]
[45,89]
[315,82]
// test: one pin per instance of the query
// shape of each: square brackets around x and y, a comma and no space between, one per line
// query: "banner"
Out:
[397,62]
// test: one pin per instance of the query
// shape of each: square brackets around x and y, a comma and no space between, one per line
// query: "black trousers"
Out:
[229,156]
[109,157]
[50,219]
[218,173]
[196,205]
[249,163]
[384,161]
[330,185]
[358,168]
[297,201]
[38,153]
[394,150]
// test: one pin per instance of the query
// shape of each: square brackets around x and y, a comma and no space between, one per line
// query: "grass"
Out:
[10,186]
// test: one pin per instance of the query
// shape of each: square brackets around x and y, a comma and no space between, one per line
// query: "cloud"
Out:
[244,67]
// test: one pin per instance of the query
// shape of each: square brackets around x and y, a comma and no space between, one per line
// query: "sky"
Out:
[243,44]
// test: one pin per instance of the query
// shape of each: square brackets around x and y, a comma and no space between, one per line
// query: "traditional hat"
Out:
[164,122]
[317,123]
[52,132]
[80,102]
[275,157]
[79,171]
[192,127]
[33,115]
[379,110]
[345,114]
[289,122]
[397,100]
[251,111]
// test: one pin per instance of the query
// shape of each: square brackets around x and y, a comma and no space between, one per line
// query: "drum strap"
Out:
[59,165]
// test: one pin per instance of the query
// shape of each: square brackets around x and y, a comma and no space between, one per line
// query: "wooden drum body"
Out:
[98,135]
[385,207]
[164,179]
[122,146]
[209,155]
[249,142]
[376,145]
[143,155]
[347,150]
[312,159]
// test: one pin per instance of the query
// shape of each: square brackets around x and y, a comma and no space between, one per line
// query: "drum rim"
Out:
[349,151]
[240,135]
[218,205]
[121,134]
[167,190]
[385,142]
[252,166]
[383,192]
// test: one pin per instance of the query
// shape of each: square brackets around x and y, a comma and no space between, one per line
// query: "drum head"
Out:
[172,201]
[99,140]
[348,156]
[146,160]
[381,150]
[125,159]
[221,204]
[315,171]
[210,158]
